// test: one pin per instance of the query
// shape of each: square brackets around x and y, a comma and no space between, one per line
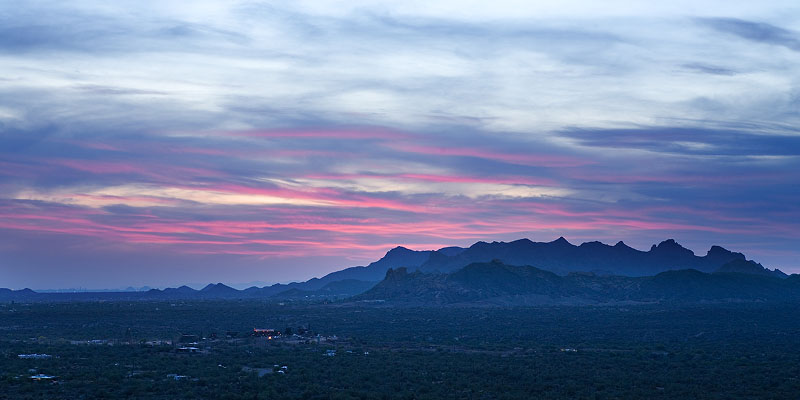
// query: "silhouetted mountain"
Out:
[451,251]
[337,289]
[749,267]
[496,282]
[693,285]
[17,295]
[720,256]
[592,265]
[333,290]
[562,257]
[370,274]
[497,279]
[219,291]
[394,258]
[179,290]
[28,295]
[14,295]
[475,282]
[346,287]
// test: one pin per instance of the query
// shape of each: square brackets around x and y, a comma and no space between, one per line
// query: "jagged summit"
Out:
[717,250]
[720,253]
[670,245]
[561,241]
[219,288]
[664,244]
[562,257]
[398,249]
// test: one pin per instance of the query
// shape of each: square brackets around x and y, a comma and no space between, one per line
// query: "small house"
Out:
[188,349]
[35,356]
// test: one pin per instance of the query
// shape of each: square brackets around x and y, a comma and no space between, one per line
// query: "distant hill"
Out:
[750,267]
[334,290]
[559,258]
[214,291]
[218,291]
[394,258]
[499,283]
[366,275]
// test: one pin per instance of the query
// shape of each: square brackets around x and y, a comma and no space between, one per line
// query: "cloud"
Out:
[709,69]
[691,141]
[243,133]
[83,29]
[755,31]
[111,90]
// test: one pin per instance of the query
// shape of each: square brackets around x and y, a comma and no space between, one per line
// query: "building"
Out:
[188,349]
[35,356]
[267,333]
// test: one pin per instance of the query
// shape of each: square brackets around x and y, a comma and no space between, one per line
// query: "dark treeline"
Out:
[743,350]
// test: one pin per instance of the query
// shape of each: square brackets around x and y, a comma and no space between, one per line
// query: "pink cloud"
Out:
[325,235]
[156,171]
[326,195]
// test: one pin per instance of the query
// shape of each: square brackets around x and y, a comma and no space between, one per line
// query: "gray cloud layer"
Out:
[756,31]
[611,122]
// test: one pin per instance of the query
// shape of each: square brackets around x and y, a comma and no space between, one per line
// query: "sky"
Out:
[162,143]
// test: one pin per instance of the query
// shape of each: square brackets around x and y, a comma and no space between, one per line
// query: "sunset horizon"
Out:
[317,199]
[189,281]
[158,144]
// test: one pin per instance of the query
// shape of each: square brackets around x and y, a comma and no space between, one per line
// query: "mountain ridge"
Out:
[562,257]
[559,257]
[498,283]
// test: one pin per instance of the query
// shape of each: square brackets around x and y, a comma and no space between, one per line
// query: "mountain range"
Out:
[559,256]
[502,284]
[559,259]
